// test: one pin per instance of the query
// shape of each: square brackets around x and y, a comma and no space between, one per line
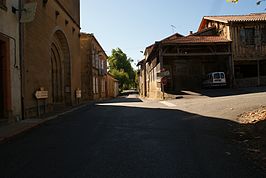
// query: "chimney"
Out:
[190,32]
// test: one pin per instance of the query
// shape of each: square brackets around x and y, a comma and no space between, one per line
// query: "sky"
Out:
[132,25]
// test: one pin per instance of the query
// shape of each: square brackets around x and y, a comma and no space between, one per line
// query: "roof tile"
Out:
[238,18]
[199,39]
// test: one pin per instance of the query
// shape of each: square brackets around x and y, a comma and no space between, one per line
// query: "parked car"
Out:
[215,79]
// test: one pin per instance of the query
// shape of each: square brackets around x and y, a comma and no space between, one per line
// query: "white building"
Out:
[10,83]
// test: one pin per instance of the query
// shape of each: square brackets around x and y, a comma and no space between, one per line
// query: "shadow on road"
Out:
[121,141]
[231,92]
[220,92]
[128,92]
[123,99]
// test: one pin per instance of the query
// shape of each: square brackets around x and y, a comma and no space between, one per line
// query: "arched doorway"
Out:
[60,70]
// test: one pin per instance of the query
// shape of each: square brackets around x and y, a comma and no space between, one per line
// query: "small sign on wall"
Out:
[41,94]
[78,93]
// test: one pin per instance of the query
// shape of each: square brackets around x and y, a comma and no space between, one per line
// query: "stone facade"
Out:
[112,86]
[142,78]
[94,68]
[52,56]
[10,90]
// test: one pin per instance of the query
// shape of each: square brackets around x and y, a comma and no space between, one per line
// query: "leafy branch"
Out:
[259,2]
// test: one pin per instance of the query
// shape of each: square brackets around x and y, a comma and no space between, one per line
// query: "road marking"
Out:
[168,104]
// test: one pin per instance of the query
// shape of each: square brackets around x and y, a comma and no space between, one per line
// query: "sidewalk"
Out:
[9,131]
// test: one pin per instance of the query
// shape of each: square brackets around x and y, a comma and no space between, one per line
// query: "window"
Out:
[3,4]
[247,36]
[93,58]
[95,82]
[97,85]
[94,85]
[103,86]
[263,35]
[222,75]
[97,61]
[216,76]
[102,64]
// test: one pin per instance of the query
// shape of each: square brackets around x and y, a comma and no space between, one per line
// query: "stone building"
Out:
[10,90]
[94,68]
[182,62]
[233,44]
[112,87]
[51,56]
[142,78]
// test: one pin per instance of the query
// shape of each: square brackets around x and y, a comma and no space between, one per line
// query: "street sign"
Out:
[78,93]
[41,94]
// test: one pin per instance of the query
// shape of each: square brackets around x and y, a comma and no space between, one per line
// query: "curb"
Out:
[20,131]
[31,126]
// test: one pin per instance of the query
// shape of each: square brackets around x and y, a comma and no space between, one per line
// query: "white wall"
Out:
[10,27]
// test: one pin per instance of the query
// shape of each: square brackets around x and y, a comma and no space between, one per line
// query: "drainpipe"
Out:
[21,58]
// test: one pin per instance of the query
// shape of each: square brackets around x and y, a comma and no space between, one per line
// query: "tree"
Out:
[259,2]
[236,1]
[122,77]
[120,67]
[233,1]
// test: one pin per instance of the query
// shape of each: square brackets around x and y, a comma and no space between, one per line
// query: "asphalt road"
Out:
[221,103]
[128,137]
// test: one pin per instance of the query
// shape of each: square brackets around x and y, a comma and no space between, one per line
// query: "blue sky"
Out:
[133,25]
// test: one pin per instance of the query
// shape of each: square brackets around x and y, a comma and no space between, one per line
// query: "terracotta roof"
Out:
[172,37]
[238,18]
[169,38]
[141,62]
[191,39]
[198,33]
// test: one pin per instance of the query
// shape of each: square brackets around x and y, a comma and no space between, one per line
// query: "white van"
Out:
[215,79]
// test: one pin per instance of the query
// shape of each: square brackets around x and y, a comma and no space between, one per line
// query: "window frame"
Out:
[263,35]
[247,37]
[3,5]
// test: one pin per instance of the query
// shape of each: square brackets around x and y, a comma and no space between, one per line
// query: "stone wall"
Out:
[52,25]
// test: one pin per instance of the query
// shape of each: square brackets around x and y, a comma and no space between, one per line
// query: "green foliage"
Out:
[233,1]
[120,67]
[122,77]
[136,78]
[236,1]
[259,2]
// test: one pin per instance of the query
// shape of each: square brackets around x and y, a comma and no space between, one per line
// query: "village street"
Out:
[220,103]
[133,137]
